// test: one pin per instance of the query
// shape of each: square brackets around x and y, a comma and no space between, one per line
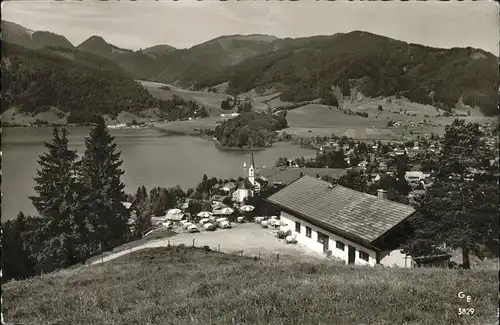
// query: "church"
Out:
[250,185]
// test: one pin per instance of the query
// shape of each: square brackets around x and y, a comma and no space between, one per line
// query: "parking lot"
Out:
[249,238]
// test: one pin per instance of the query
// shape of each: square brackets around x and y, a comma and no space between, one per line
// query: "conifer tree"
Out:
[57,203]
[461,208]
[100,176]
[55,178]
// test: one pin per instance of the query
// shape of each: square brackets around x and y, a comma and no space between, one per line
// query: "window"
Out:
[340,245]
[297,227]
[308,232]
[363,255]
[322,237]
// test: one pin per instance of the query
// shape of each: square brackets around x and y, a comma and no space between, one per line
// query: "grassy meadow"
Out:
[315,119]
[189,286]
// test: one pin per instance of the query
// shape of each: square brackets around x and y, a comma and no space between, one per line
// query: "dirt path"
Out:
[252,239]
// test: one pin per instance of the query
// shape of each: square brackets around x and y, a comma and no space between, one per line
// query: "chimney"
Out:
[382,194]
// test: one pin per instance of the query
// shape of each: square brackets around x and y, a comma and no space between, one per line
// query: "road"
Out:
[250,238]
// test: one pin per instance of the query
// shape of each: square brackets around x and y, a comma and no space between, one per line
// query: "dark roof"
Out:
[341,210]
[229,185]
[245,185]
[176,217]
[289,175]
[217,197]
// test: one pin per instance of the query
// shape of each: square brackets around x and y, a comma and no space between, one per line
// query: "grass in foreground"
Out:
[189,286]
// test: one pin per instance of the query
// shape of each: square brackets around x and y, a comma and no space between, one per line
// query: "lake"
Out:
[149,158]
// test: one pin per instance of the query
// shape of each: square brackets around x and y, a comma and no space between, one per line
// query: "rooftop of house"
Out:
[229,185]
[217,197]
[341,210]
[245,185]
[414,173]
[175,216]
[289,175]
[127,205]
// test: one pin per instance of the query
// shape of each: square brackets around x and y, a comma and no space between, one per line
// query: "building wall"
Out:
[313,244]
[240,195]
[396,258]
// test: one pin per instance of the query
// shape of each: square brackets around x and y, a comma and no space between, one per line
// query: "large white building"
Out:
[353,226]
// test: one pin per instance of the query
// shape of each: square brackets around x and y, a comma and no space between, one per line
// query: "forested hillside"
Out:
[138,64]
[376,66]
[37,80]
[88,60]
[188,66]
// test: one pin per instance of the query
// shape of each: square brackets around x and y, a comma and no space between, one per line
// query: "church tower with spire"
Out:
[251,171]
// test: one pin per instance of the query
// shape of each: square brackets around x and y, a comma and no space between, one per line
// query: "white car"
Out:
[209,226]
[193,228]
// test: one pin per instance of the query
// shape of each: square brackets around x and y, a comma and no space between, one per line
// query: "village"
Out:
[299,206]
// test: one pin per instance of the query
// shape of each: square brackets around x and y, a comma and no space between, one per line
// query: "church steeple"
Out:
[251,170]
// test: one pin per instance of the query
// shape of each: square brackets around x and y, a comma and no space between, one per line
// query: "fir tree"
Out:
[461,208]
[55,178]
[141,195]
[57,202]
[100,175]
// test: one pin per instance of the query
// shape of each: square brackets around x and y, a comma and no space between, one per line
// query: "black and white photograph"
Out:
[250,162]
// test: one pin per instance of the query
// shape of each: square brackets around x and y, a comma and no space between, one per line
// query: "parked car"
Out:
[193,228]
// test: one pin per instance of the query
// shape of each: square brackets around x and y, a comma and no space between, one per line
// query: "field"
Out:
[315,119]
[189,286]
[188,127]
[211,101]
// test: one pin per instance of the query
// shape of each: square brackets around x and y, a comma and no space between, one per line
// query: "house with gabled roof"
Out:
[353,226]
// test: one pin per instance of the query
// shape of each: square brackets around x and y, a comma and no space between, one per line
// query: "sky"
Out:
[185,23]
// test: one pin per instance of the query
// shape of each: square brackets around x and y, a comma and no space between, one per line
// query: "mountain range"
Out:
[302,68]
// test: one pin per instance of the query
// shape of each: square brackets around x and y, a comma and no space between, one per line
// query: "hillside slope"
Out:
[188,286]
[186,67]
[158,50]
[37,80]
[17,34]
[140,65]
[375,66]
